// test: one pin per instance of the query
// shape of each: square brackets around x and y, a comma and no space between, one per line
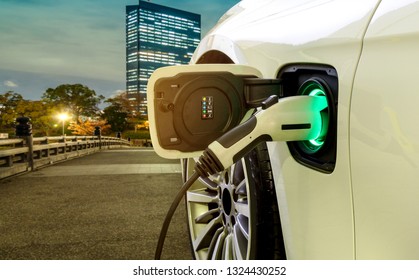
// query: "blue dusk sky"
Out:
[45,43]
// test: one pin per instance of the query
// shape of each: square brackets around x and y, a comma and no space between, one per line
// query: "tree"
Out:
[78,99]
[119,113]
[8,103]
[87,127]
[40,113]
[116,118]
[12,105]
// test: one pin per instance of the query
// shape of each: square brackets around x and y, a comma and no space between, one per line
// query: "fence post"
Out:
[24,130]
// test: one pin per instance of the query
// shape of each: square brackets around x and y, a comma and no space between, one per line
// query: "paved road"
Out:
[108,205]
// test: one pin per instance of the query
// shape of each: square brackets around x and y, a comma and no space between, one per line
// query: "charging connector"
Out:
[297,118]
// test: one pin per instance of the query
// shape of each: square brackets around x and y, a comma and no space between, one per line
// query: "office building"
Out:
[156,36]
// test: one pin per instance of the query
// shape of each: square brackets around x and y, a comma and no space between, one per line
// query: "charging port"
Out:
[315,80]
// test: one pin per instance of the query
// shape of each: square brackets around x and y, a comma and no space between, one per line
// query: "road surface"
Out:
[106,206]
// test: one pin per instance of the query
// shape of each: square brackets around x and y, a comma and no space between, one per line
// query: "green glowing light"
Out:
[314,88]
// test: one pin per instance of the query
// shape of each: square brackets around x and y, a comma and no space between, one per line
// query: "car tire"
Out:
[234,214]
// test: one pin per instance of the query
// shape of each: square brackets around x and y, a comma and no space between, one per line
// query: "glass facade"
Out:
[156,36]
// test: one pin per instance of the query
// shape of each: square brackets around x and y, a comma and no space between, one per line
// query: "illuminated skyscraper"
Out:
[156,36]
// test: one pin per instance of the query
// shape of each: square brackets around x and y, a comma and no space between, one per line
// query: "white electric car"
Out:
[352,193]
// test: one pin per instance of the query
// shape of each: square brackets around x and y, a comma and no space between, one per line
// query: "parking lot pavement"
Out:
[108,205]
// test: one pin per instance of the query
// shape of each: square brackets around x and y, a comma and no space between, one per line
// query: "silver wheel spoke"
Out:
[205,235]
[242,208]
[218,248]
[240,243]
[228,248]
[243,225]
[214,242]
[241,188]
[201,196]
[207,216]
[212,185]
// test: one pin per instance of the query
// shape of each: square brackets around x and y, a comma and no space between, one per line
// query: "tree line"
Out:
[79,102]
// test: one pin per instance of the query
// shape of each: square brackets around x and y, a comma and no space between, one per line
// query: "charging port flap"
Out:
[190,106]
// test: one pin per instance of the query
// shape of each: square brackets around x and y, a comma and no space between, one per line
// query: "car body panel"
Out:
[384,134]
[316,208]
[365,208]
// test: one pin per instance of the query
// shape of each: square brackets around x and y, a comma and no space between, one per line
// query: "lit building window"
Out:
[156,36]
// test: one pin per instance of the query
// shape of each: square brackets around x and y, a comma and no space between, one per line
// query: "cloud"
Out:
[10,84]
[79,38]
[116,93]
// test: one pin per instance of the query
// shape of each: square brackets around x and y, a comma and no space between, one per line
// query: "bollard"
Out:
[24,127]
[24,130]
[99,135]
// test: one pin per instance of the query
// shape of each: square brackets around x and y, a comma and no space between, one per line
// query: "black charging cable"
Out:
[205,166]
[170,213]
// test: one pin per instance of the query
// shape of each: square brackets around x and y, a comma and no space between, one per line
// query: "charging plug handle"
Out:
[296,118]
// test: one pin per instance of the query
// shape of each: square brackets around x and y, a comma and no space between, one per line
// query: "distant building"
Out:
[156,36]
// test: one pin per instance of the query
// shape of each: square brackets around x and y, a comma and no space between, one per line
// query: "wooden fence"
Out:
[27,153]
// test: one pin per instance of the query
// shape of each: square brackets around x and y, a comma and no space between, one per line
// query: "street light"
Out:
[63,117]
